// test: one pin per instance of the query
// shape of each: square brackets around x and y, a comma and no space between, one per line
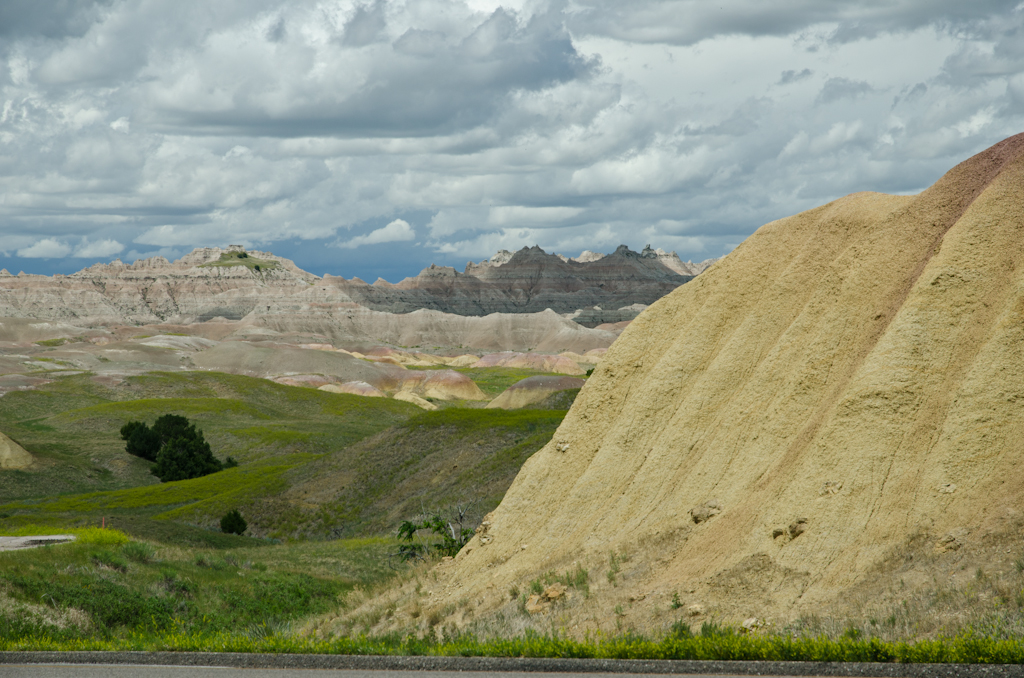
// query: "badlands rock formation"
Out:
[12,455]
[193,289]
[252,296]
[844,389]
[529,281]
[264,361]
[360,388]
[670,259]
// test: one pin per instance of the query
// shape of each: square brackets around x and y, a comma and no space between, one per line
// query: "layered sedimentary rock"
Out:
[530,361]
[193,289]
[529,281]
[345,324]
[843,391]
[12,455]
[670,260]
[260,292]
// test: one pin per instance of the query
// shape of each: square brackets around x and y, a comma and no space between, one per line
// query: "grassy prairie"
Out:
[325,472]
[72,425]
[431,461]
[107,590]
[313,464]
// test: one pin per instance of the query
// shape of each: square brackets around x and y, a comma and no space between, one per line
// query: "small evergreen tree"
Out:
[233,523]
[175,444]
[140,440]
[184,457]
[169,426]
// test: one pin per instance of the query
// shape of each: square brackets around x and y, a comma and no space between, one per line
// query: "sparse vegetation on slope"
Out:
[430,462]
[235,258]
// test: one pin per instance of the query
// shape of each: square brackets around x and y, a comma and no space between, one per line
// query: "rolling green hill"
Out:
[313,464]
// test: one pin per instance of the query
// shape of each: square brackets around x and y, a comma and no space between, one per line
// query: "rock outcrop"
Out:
[815,395]
[512,302]
[529,281]
[360,388]
[199,286]
[12,455]
[672,261]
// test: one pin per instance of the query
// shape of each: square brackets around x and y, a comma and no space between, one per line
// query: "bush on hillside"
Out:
[233,523]
[451,534]
[145,442]
[183,458]
[140,440]
[175,444]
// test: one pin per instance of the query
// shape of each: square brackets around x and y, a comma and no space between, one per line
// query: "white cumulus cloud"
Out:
[285,125]
[397,231]
[99,249]
[47,248]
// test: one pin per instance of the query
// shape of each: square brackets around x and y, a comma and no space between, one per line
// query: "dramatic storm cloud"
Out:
[373,137]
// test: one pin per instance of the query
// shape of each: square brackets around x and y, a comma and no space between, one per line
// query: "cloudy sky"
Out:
[373,137]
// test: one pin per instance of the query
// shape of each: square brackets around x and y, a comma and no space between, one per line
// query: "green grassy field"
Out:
[313,464]
[431,461]
[109,590]
[321,477]
[72,425]
[145,596]
[324,480]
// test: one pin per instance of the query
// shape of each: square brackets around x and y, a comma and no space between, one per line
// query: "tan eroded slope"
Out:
[13,455]
[859,365]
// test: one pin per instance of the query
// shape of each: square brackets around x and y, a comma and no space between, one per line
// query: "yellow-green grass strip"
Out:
[248,481]
[84,535]
[154,407]
[963,649]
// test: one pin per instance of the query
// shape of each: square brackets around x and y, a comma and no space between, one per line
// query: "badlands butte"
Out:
[260,315]
[828,422]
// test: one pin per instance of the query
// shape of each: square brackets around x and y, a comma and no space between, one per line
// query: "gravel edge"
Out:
[519,664]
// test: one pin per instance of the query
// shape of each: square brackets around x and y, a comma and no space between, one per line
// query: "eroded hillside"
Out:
[845,389]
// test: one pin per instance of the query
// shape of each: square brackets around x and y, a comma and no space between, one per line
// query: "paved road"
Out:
[114,671]
[240,665]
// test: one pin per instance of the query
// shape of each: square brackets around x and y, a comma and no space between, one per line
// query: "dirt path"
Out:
[14,543]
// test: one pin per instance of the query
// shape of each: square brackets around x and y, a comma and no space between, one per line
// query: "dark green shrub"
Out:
[680,629]
[233,522]
[169,426]
[710,629]
[140,440]
[175,444]
[183,458]
[452,533]
[230,462]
